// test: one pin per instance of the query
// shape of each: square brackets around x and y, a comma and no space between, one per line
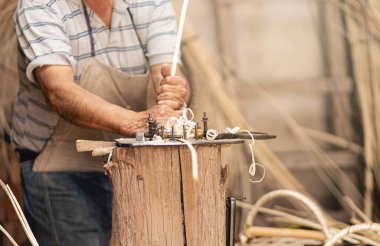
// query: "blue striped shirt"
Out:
[54,32]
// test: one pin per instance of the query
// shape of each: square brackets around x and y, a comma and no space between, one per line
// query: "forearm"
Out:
[83,108]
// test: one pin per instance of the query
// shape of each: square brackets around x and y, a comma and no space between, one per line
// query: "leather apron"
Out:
[125,90]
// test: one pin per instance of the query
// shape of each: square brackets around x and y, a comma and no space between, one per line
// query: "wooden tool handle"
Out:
[102,151]
[88,145]
[256,231]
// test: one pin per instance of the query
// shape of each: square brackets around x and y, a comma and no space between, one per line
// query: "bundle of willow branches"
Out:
[363,33]
[8,64]
[362,30]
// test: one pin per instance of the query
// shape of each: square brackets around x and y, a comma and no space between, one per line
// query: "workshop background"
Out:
[305,70]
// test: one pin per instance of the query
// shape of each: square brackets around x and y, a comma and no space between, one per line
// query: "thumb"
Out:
[165,70]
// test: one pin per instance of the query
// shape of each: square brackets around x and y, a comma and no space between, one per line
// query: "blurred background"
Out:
[305,70]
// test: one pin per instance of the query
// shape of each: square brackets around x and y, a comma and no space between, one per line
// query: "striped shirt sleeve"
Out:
[162,33]
[42,38]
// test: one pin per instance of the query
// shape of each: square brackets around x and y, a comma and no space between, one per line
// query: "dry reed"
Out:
[363,28]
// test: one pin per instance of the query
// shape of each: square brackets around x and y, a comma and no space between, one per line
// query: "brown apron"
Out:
[128,91]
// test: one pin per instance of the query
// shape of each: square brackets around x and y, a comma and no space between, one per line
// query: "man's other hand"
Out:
[161,113]
[172,91]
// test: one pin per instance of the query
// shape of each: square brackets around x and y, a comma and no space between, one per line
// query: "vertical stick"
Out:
[179,36]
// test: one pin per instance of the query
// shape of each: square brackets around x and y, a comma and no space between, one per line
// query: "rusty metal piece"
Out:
[231,215]
[172,137]
[196,132]
[245,135]
[140,137]
[151,126]
[205,129]
[184,132]
[162,132]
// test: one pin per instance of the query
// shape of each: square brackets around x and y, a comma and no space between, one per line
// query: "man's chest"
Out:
[122,35]
[121,45]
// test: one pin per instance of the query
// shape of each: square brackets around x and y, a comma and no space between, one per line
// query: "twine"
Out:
[179,125]
[212,134]
[352,229]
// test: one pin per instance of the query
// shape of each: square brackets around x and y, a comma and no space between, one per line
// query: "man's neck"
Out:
[103,8]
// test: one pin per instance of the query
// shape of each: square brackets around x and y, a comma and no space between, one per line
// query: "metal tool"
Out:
[205,128]
[245,135]
[184,132]
[162,132]
[231,215]
[172,137]
[152,127]
[140,137]
[198,132]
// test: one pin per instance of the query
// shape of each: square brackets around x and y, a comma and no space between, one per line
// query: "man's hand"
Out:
[88,110]
[161,113]
[172,91]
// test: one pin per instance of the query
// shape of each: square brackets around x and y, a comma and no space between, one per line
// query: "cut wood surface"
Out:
[149,186]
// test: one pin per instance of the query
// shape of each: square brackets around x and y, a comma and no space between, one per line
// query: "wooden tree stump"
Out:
[157,202]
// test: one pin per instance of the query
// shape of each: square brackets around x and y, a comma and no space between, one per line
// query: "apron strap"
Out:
[138,36]
[87,17]
[134,27]
[91,35]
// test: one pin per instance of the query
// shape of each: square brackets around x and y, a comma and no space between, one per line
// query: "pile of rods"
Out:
[207,76]
[363,35]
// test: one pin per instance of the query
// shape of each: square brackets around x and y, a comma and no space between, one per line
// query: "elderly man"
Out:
[85,69]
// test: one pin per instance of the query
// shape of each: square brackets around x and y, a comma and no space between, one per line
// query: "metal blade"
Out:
[245,135]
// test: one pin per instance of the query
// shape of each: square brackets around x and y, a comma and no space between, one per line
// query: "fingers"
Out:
[163,112]
[170,103]
[165,70]
[178,97]
[175,89]
[173,80]
[172,90]
[167,113]
[179,113]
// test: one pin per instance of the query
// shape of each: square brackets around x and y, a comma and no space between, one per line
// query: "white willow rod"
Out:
[179,37]
[19,213]
[8,236]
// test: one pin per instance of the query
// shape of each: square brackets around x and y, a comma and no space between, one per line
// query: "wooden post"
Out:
[157,202]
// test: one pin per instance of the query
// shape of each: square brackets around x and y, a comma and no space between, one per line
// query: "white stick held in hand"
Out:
[179,36]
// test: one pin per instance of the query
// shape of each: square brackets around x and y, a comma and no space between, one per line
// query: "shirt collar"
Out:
[120,5]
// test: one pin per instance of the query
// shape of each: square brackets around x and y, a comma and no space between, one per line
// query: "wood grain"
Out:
[205,200]
[89,145]
[146,197]
[148,191]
